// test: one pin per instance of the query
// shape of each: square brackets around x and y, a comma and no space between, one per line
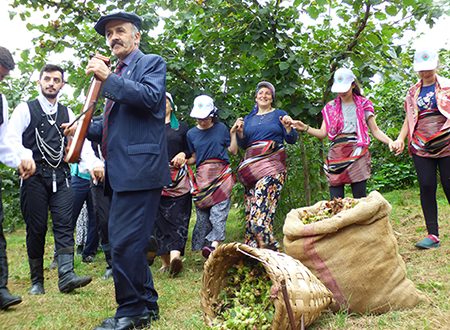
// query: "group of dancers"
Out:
[145,155]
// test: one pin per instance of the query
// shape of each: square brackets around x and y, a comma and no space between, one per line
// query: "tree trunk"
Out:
[305,162]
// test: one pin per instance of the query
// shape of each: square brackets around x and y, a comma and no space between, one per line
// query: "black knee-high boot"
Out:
[6,298]
[68,280]
[37,276]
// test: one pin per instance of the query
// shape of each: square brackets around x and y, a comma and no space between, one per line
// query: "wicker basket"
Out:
[307,296]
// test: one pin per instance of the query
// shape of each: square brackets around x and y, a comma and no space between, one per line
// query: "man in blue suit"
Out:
[134,144]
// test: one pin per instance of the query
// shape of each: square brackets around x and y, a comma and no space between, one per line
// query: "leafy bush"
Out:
[297,182]
[390,172]
[10,198]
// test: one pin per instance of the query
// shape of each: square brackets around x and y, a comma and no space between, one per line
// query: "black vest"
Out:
[50,133]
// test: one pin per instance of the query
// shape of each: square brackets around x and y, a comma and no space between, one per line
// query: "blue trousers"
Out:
[131,222]
[82,193]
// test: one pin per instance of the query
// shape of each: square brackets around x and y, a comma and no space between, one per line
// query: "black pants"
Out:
[3,260]
[358,190]
[36,199]
[101,203]
[426,169]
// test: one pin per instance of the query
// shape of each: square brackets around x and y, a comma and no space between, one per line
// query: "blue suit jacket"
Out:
[136,142]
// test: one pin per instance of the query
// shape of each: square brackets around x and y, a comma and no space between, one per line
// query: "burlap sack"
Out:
[355,254]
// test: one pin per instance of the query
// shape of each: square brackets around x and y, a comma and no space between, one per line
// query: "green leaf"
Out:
[380,16]
[409,2]
[313,12]
[374,38]
[283,66]
[391,10]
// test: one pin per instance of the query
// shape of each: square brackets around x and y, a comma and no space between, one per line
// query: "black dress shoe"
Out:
[37,289]
[125,323]
[7,299]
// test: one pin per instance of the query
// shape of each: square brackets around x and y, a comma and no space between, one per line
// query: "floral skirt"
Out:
[260,205]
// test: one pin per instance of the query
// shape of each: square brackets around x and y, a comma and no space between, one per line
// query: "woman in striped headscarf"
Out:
[427,126]
[346,121]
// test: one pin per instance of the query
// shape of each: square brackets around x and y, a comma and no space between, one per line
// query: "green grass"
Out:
[180,300]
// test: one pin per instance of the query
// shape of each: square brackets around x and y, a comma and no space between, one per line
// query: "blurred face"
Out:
[51,83]
[3,72]
[264,97]
[347,94]
[205,123]
[427,75]
[121,37]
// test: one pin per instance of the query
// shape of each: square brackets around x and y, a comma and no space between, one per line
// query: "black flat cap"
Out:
[122,16]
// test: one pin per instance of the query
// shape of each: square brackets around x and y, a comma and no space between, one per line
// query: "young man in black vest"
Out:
[26,167]
[35,128]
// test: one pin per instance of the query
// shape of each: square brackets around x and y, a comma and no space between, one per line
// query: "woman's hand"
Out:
[179,160]
[299,125]
[238,126]
[397,147]
[286,121]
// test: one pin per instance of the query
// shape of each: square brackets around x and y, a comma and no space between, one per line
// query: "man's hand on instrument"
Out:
[27,167]
[69,131]
[98,174]
[98,68]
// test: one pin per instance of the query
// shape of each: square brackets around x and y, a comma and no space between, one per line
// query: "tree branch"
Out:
[362,24]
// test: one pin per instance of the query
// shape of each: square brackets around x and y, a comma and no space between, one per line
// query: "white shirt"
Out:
[8,155]
[350,119]
[88,159]
[20,120]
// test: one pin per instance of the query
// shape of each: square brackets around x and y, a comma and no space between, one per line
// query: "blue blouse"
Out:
[210,143]
[266,127]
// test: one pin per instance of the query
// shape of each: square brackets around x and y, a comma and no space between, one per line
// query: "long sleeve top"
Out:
[266,127]
[8,155]
[20,120]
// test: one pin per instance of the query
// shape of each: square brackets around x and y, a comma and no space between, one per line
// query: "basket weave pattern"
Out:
[307,295]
